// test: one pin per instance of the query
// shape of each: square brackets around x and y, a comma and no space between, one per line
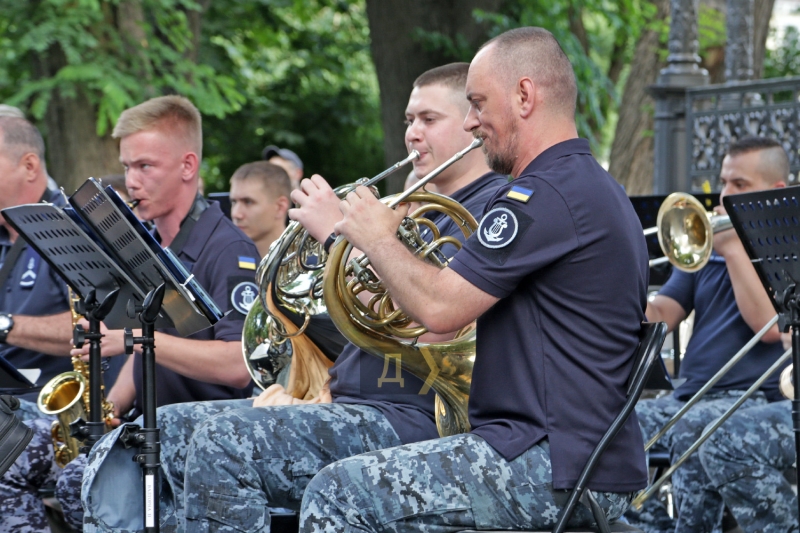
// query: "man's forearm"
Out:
[211,361]
[751,298]
[408,279]
[123,393]
[46,334]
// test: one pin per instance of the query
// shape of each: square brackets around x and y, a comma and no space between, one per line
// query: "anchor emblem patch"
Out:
[498,228]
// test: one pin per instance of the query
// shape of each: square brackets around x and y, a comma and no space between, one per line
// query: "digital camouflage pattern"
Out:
[745,459]
[698,504]
[442,485]
[244,461]
[21,507]
[104,512]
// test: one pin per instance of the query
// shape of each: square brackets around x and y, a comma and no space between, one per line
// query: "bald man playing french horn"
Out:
[556,276]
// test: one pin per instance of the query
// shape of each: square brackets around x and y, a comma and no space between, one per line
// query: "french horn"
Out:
[290,300]
[382,329]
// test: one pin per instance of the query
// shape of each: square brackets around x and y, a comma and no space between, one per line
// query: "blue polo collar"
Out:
[555,152]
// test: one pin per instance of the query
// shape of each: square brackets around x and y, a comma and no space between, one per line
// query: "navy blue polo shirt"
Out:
[356,375]
[33,289]
[719,332]
[562,248]
[213,251]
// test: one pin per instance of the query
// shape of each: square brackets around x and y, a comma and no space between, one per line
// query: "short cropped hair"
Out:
[272,177]
[774,162]
[172,112]
[452,75]
[534,52]
[21,137]
[11,111]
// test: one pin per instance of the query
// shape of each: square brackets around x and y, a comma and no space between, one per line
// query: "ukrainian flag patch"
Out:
[247,263]
[520,193]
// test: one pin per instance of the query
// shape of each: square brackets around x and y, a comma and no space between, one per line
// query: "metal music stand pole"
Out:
[147,436]
[768,224]
[95,312]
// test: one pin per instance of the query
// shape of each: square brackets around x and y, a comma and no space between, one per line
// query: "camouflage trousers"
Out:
[30,411]
[21,507]
[745,459]
[698,504]
[110,471]
[442,485]
[242,462]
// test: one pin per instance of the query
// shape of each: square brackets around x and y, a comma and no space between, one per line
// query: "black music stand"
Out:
[11,378]
[60,238]
[101,249]
[768,224]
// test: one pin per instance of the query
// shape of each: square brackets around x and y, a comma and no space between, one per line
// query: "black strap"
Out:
[10,260]
[200,205]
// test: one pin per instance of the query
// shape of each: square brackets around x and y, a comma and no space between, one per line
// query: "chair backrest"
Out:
[648,364]
[651,337]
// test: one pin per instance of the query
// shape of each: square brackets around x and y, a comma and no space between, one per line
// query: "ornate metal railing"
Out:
[716,115]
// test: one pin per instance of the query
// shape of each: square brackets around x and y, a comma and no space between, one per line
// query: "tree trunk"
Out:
[399,57]
[631,159]
[74,150]
[762,13]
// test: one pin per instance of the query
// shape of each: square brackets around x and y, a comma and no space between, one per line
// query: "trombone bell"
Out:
[686,230]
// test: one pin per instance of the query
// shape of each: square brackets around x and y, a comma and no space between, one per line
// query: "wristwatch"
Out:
[6,324]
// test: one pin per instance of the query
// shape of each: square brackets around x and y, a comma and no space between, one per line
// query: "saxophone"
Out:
[67,397]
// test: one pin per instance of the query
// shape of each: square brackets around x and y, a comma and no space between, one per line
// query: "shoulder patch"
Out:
[243,296]
[520,193]
[247,263]
[498,228]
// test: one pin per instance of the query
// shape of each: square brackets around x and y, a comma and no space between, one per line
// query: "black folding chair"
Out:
[651,337]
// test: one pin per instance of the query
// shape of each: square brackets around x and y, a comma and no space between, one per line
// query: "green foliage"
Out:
[310,84]
[611,30]
[711,28]
[296,73]
[784,59]
[80,45]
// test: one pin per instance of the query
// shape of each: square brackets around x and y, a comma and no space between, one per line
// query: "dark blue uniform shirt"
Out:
[33,289]
[211,250]
[355,375]
[719,332]
[562,248]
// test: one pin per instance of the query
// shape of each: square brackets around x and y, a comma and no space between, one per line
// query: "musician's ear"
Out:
[190,166]
[32,165]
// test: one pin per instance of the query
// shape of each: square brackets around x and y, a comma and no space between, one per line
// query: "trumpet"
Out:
[685,232]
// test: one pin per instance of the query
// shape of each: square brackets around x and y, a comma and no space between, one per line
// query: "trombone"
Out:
[685,232]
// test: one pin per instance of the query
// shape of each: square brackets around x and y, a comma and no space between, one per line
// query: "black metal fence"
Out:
[716,115]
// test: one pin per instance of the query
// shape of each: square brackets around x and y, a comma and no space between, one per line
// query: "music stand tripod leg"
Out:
[147,437]
[89,432]
[96,312]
